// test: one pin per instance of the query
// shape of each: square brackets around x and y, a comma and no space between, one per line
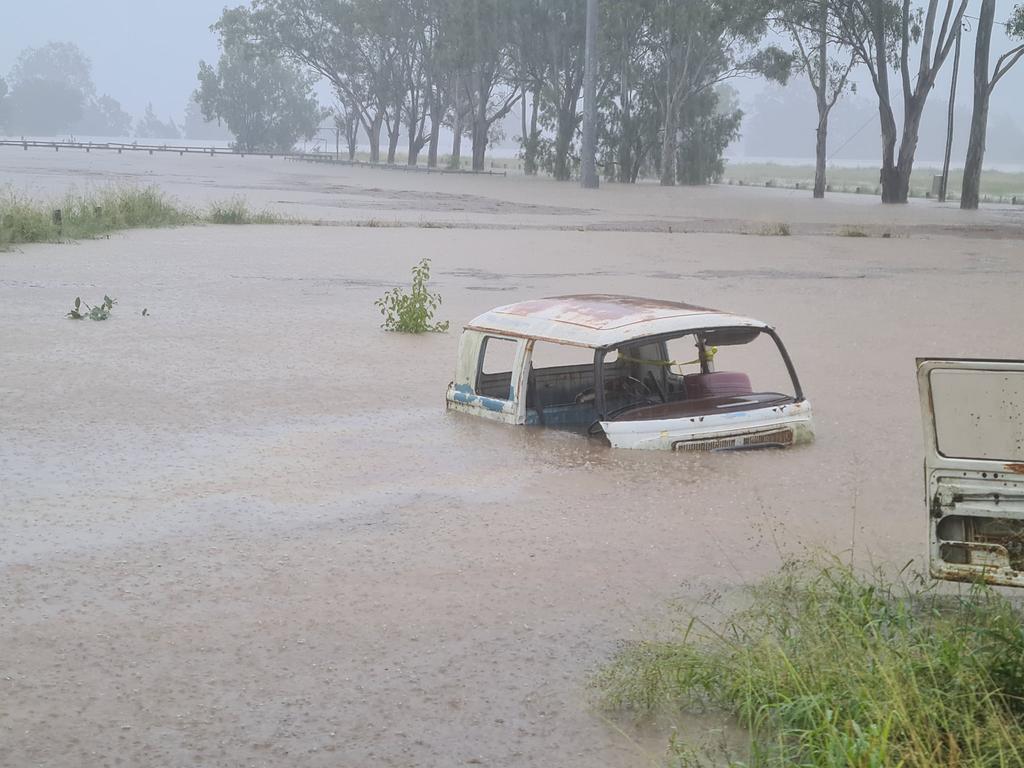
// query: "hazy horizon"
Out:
[152,56]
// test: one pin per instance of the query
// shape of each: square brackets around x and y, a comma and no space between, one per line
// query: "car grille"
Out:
[777,438]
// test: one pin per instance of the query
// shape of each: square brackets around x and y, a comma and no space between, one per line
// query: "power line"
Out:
[1000,23]
[854,136]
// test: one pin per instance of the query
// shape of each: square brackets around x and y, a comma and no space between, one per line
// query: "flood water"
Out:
[242,530]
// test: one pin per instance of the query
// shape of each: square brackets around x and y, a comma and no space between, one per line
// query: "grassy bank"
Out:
[996,186]
[112,209]
[831,668]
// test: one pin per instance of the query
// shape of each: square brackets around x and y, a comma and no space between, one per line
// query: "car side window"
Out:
[497,359]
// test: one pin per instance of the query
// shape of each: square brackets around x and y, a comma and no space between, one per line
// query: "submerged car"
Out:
[644,373]
[973,415]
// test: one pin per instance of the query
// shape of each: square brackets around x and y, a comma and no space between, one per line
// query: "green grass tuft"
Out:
[98,213]
[780,229]
[236,210]
[829,667]
[111,209]
[851,232]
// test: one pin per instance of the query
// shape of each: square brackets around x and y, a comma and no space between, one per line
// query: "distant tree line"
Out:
[49,91]
[403,70]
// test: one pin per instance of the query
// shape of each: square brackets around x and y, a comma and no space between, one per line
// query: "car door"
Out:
[973,414]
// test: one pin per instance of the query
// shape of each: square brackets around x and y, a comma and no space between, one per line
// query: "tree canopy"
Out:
[51,91]
[268,104]
[410,67]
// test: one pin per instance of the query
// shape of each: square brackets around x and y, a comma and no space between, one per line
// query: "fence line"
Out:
[317,157]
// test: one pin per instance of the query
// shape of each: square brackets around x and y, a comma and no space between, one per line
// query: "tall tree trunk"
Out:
[352,137]
[394,134]
[908,148]
[456,159]
[979,118]
[625,155]
[436,113]
[532,145]
[435,135]
[888,175]
[565,130]
[821,156]
[480,123]
[625,158]
[374,137]
[524,136]
[888,178]
[415,135]
[821,143]
[479,143]
[668,147]
[589,177]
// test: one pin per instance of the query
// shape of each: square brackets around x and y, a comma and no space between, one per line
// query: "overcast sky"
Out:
[144,50]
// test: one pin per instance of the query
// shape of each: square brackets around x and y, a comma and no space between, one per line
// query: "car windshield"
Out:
[708,371]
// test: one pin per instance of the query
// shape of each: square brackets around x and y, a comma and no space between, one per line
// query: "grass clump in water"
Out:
[780,229]
[832,668]
[236,210]
[111,209]
[852,232]
[94,214]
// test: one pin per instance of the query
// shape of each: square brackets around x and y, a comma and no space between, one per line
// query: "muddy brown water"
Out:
[242,530]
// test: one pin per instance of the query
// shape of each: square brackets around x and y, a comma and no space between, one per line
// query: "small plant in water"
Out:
[412,312]
[99,312]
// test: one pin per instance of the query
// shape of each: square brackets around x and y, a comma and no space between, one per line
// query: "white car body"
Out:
[973,417]
[632,391]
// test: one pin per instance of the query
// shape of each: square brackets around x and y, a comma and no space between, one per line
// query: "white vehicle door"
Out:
[973,414]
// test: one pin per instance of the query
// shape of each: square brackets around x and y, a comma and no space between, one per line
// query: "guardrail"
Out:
[317,157]
[120,147]
[323,157]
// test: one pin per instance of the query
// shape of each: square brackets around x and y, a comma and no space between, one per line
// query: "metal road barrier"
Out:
[317,157]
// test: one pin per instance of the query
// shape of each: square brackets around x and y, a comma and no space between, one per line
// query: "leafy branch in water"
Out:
[99,312]
[412,312]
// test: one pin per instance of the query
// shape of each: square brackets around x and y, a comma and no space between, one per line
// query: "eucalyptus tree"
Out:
[266,103]
[810,25]
[985,81]
[882,32]
[481,33]
[346,123]
[560,94]
[699,44]
[625,96]
[532,65]
[327,36]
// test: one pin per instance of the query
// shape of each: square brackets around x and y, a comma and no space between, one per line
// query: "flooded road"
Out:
[241,529]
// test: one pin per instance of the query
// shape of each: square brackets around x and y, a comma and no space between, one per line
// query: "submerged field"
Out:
[241,529]
[996,186]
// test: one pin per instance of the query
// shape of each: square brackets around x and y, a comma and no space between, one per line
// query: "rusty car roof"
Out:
[601,320]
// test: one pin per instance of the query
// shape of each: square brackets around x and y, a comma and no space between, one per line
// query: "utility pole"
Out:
[588,174]
[949,122]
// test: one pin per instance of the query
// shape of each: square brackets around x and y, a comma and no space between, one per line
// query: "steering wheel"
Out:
[633,386]
[629,385]
[656,386]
